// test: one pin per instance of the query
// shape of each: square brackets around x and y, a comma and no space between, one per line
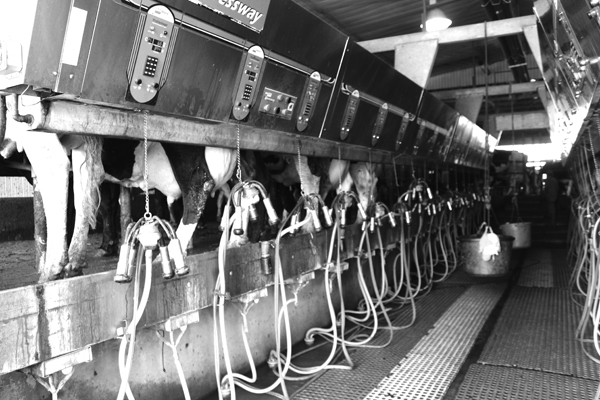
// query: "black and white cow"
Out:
[177,170]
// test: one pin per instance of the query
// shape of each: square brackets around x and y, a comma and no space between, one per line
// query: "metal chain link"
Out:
[340,160]
[147,214]
[371,196]
[238,174]
[300,170]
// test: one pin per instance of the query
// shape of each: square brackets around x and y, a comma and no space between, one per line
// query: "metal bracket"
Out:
[177,321]
[252,296]
[60,363]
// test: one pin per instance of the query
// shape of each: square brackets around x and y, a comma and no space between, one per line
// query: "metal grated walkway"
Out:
[532,352]
[501,383]
[433,363]
[476,339]
[372,365]
[536,331]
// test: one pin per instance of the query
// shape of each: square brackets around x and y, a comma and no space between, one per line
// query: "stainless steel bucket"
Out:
[473,263]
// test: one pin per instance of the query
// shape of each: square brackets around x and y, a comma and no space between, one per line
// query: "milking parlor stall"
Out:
[211,184]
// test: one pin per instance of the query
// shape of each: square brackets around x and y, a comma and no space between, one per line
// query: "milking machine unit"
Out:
[142,239]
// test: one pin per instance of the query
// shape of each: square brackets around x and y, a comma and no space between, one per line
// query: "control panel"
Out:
[350,114]
[379,122]
[277,103]
[402,130]
[150,63]
[246,91]
[309,101]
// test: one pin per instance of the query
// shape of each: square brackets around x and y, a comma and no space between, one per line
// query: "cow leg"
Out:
[108,211]
[125,206]
[365,180]
[310,185]
[173,218]
[40,233]
[196,184]
[87,174]
[222,198]
[51,165]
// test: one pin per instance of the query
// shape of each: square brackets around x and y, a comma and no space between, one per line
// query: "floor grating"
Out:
[432,364]
[536,331]
[372,365]
[562,271]
[484,382]
[461,278]
[537,273]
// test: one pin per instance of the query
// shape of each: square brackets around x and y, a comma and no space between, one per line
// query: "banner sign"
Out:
[250,13]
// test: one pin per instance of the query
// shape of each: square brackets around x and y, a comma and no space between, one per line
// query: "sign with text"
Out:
[250,13]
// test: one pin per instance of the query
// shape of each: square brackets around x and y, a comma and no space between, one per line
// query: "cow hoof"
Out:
[107,250]
[72,273]
[105,253]
[238,241]
[50,277]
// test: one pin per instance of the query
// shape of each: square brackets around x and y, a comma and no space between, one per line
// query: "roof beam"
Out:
[522,121]
[495,90]
[465,33]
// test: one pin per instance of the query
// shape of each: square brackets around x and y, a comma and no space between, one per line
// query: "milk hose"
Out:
[125,366]
[172,343]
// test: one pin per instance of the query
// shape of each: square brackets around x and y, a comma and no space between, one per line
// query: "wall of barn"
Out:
[17,218]
[16,203]
[154,376]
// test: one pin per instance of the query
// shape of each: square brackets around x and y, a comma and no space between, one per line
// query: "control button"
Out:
[138,81]
[277,110]
[156,85]
[279,97]
[165,33]
[267,107]
[152,28]
[246,106]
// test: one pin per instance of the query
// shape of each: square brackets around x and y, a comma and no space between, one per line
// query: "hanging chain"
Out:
[147,214]
[371,196]
[238,174]
[486,174]
[300,171]
[340,161]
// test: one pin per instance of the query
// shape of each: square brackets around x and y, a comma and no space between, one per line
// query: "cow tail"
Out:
[93,161]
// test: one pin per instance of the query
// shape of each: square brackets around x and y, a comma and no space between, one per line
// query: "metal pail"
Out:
[473,263]
[521,231]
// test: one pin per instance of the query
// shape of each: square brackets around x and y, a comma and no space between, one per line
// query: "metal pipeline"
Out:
[28,118]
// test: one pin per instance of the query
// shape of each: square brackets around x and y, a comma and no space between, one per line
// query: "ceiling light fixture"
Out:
[437,21]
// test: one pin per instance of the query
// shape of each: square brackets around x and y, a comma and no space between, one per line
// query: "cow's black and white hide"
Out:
[178,171]
[253,167]
[191,172]
[365,176]
[49,158]
[318,175]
